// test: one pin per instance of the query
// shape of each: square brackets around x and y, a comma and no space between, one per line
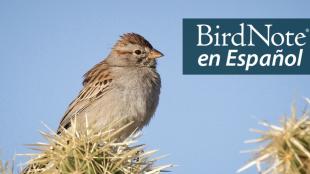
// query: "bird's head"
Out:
[133,50]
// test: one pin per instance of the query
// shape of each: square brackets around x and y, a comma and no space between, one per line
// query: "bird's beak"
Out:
[154,54]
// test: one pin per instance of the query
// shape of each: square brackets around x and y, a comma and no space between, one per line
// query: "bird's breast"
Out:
[138,95]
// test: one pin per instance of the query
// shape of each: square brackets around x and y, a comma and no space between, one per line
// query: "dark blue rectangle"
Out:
[246,46]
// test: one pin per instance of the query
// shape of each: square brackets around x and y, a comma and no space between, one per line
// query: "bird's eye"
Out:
[138,52]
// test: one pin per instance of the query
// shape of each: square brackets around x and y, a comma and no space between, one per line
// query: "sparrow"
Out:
[124,86]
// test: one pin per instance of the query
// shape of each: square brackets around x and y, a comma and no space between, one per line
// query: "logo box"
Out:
[246,46]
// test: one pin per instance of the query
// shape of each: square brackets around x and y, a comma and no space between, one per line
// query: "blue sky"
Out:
[201,121]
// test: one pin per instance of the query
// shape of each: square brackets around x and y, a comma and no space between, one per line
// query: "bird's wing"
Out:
[96,83]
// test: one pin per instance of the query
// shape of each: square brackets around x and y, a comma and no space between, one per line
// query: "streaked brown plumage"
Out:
[124,85]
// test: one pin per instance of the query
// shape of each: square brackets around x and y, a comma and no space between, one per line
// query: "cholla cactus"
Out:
[5,168]
[286,149]
[90,152]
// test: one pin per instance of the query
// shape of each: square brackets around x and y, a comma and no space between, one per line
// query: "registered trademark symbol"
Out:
[307,30]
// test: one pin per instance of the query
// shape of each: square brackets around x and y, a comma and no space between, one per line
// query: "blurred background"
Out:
[201,121]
